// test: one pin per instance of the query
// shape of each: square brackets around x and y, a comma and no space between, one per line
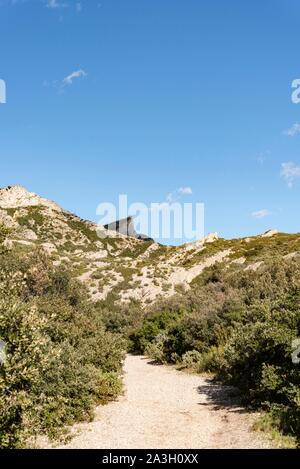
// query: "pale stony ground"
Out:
[165,408]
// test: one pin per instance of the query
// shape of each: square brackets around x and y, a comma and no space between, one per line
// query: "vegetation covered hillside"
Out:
[121,268]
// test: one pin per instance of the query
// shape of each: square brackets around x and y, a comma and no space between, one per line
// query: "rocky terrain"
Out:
[125,267]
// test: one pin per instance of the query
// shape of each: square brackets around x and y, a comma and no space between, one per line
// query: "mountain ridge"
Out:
[121,267]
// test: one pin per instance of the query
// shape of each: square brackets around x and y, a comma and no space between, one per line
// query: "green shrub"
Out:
[258,360]
[190,359]
[154,323]
[155,349]
[60,361]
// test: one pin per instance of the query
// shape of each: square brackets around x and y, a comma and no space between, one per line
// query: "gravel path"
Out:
[165,408]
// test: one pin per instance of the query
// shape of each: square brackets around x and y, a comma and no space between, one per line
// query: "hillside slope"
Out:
[122,266]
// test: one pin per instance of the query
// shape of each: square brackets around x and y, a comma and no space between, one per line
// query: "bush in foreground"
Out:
[59,360]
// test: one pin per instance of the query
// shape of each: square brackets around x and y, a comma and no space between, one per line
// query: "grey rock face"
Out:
[125,226]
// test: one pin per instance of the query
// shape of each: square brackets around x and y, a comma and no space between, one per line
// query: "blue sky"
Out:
[145,97]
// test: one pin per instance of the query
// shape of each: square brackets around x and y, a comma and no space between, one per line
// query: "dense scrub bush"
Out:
[152,326]
[258,359]
[191,358]
[155,349]
[239,325]
[60,361]
[121,319]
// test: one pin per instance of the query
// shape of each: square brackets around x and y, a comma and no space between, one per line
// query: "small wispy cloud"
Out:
[52,4]
[176,195]
[78,7]
[185,190]
[60,85]
[263,156]
[70,78]
[294,130]
[261,213]
[55,4]
[289,172]
[173,197]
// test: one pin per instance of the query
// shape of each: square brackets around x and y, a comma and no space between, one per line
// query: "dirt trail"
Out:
[165,408]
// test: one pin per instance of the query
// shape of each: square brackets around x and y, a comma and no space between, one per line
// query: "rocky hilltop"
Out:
[122,266]
[18,196]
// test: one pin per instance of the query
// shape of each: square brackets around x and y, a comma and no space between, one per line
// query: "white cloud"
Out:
[185,190]
[78,7]
[54,4]
[294,130]
[261,213]
[51,4]
[76,74]
[263,156]
[176,195]
[290,172]
[60,85]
